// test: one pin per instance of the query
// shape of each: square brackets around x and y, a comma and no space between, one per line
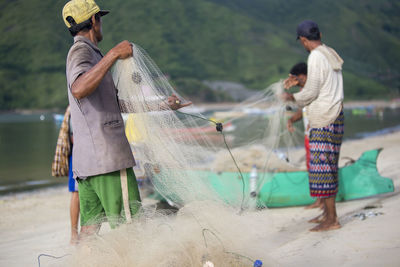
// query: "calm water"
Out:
[27,144]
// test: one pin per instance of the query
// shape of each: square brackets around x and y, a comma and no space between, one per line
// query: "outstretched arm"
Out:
[174,103]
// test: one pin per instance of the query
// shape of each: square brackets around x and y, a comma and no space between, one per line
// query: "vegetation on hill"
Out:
[251,42]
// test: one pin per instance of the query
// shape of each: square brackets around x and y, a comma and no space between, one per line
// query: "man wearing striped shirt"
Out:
[322,96]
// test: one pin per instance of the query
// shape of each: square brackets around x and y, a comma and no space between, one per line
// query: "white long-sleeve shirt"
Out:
[322,94]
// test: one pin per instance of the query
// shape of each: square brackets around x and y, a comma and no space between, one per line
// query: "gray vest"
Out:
[100,144]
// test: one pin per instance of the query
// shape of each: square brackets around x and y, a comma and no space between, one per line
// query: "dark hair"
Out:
[83,26]
[314,34]
[299,68]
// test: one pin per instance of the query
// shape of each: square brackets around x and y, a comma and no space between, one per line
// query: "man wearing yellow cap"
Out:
[102,159]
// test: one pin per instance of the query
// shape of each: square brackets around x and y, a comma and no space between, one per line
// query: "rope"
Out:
[219,128]
[222,245]
[51,256]
[125,195]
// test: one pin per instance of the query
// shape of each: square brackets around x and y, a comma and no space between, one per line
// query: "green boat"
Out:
[357,180]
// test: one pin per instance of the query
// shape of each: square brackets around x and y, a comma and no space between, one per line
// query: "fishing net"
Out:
[200,232]
[199,167]
[182,151]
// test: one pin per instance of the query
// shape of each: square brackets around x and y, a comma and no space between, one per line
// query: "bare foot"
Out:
[314,205]
[74,239]
[319,219]
[317,204]
[74,242]
[326,226]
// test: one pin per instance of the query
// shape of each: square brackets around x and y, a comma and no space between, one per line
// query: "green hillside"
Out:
[251,42]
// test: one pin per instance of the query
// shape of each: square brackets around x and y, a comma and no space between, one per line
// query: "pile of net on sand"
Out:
[199,232]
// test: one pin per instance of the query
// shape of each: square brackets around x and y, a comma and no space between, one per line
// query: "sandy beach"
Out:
[37,223]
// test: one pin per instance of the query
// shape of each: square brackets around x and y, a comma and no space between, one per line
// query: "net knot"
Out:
[219,126]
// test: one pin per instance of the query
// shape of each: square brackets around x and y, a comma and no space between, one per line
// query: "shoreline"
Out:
[351,104]
[52,184]
[56,185]
[377,103]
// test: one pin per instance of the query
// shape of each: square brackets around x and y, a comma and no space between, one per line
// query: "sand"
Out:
[37,223]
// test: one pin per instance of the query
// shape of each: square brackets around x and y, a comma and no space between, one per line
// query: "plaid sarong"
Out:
[324,159]
[59,167]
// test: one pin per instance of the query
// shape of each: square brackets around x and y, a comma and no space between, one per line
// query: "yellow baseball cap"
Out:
[81,10]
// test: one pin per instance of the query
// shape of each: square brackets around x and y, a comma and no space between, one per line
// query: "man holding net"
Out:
[322,96]
[298,77]
[102,158]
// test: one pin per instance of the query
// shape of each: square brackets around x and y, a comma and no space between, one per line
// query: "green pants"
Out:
[100,198]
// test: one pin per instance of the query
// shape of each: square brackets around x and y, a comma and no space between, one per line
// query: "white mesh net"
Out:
[198,169]
[180,150]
